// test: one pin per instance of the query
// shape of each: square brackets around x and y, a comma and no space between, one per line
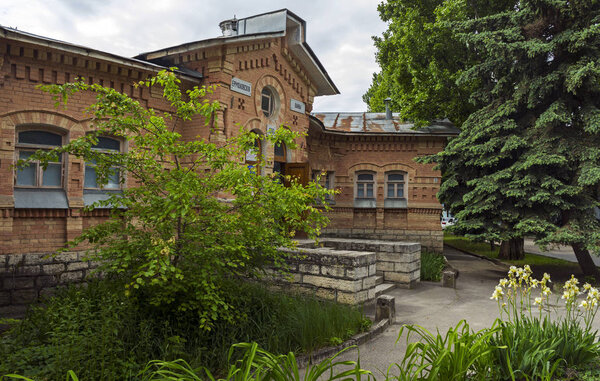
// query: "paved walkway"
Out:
[433,307]
[561,252]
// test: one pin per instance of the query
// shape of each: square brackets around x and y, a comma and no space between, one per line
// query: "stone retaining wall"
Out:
[345,276]
[397,262]
[25,277]
[430,240]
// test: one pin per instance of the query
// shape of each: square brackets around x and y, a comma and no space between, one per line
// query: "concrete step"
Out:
[378,280]
[383,288]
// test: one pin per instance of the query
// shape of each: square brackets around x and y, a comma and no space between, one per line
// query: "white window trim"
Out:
[363,183]
[396,183]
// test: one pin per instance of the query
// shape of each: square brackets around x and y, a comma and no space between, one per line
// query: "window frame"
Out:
[270,99]
[395,184]
[364,185]
[326,180]
[274,102]
[38,168]
[105,151]
[258,147]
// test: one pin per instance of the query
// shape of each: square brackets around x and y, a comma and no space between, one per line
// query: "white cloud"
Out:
[339,31]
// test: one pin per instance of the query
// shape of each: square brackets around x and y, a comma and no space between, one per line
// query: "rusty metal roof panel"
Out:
[376,123]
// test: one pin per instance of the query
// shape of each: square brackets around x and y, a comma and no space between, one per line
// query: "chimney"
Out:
[388,112]
[229,27]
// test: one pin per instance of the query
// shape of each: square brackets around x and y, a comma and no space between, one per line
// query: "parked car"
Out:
[447,221]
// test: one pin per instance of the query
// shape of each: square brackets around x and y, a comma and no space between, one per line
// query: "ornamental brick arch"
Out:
[399,167]
[365,167]
[45,119]
[273,83]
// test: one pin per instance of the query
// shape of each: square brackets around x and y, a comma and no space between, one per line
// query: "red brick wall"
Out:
[346,154]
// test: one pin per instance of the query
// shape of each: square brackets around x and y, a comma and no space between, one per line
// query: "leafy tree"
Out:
[198,214]
[527,161]
[421,58]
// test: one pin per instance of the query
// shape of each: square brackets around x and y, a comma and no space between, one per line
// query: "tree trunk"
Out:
[512,249]
[585,262]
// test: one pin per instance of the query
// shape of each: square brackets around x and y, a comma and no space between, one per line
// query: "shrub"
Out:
[197,214]
[258,364]
[101,334]
[432,265]
[457,355]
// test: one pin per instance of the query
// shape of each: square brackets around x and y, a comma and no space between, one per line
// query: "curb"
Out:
[493,260]
[361,338]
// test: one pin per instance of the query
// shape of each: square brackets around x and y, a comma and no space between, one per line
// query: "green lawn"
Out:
[483,248]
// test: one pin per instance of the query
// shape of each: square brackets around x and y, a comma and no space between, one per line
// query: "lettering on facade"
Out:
[297,106]
[241,86]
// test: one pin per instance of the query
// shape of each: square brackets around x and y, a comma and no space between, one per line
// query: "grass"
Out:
[483,248]
[432,265]
[101,334]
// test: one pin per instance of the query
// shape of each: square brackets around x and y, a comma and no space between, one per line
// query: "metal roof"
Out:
[280,23]
[19,35]
[376,123]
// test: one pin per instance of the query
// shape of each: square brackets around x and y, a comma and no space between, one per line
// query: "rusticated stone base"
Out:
[347,277]
[26,277]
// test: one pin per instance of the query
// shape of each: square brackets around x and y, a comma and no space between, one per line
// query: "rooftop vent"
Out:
[229,27]
[388,112]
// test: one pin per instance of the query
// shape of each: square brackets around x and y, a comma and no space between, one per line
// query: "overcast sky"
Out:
[338,31]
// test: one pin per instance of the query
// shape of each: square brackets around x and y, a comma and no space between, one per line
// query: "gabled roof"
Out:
[377,124]
[34,39]
[280,23]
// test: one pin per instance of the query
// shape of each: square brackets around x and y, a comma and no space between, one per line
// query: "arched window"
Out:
[108,146]
[365,185]
[279,159]
[254,155]
[269,101]
[395,184]
[34,176]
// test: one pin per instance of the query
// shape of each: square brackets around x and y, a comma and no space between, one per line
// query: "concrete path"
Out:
[433,307]
[561,252]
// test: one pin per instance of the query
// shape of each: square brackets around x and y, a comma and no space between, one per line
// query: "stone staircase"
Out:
[381,287]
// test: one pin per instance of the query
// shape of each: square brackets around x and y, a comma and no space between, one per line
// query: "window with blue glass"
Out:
[395,184]
[365,185]
[34,175]
[107,146]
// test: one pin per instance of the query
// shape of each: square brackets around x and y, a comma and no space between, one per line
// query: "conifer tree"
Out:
[527,162]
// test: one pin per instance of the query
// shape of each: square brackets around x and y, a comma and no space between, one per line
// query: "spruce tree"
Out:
[527,162]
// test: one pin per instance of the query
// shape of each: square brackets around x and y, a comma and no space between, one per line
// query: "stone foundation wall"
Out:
[347,277]
[26,277]
[430,240]
[397,262]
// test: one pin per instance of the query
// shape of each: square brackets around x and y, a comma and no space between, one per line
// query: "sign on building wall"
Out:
[241,86]
[298,106]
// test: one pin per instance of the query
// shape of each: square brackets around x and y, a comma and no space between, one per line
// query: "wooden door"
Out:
[299,171]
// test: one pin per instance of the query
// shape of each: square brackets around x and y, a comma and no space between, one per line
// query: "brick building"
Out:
[267,76]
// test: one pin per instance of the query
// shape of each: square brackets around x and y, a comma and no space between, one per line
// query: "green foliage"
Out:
[524,349]
[459,354]
[88,329]
[197,214]
[432,265]
[525,163]
[101,334]
[258,364]
[422,57]
[483,248]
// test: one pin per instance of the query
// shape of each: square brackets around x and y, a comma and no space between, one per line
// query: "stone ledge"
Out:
[358,339]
